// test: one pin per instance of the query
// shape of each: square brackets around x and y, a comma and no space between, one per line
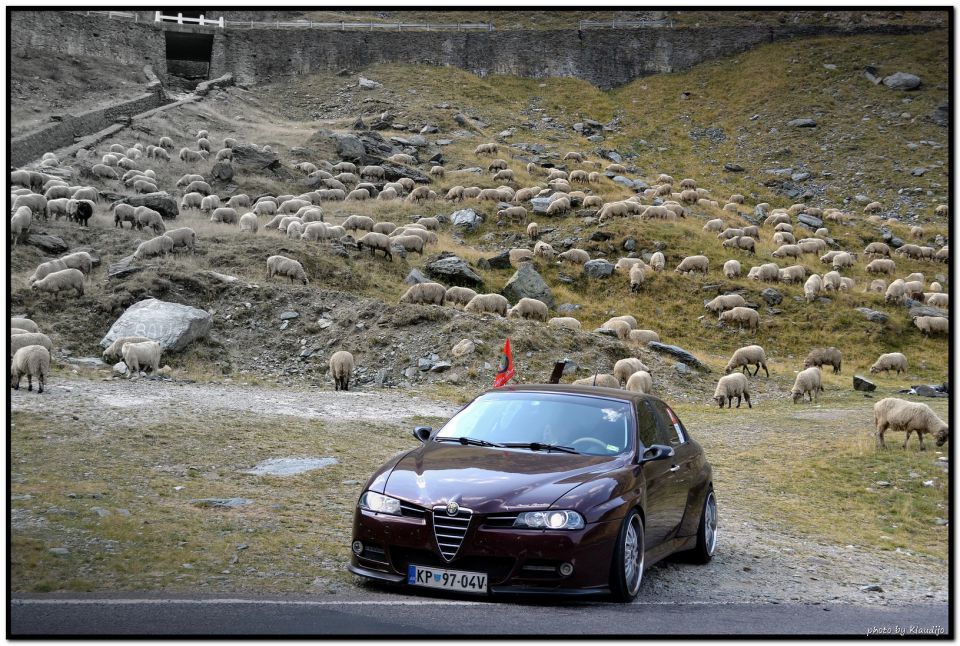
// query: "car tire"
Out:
[706,545]
[626,569]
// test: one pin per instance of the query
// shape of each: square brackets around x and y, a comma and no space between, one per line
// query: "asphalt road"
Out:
[395,615]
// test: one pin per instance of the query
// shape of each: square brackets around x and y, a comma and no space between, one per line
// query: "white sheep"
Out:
[713,226]
[598,380]
[249,223]
[623,368]
[544,250]
[141,355]
[60,281]
[46,268]
[492,303]
[643,337]
[411,243]
[283,266]
[24,324]
[566,322]
[877,249]
[620,327]
[425,294]
[730,386]
[832,281]
[533,229]
[529,308]
[811,289]
[639,382]
[895,414]
[158,246]
[692,264]
[787,250]
[224,214]
[724,302]
[930,325]
[457,295]
[20,223]
[24,339]
[576,256]
[146,217]
[376,241]
[881,266]
[936,299]
[890,361]
[358,223]
[824,357]
[742,316]
[807,383]
[637,277]
[79,260]
[342,366]
[113,351]
[751,355]
[627,318]
[731,269]
[793,274]
[32,361]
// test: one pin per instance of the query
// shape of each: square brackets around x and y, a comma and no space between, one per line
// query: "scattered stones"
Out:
[902,81]
[221,502]
[863,385]
[600,236]
[918,172]
[287,467]
[567,308]
[679,353]
[936,521]
[173,325]
[802,123]
[527,283]
[441,366]
[598,268]
[873,315]
[772,296]
[682,368]
[801,176]
[733,168]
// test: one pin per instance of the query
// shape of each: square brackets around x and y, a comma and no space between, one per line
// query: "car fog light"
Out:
[566,569]
[358,548]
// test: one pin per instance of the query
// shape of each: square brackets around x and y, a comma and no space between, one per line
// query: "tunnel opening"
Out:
[188,55]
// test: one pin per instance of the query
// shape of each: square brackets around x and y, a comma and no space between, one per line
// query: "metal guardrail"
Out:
[203,21]
[623,24]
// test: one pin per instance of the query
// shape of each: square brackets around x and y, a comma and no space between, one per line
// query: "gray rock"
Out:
[540,204]
[606,332]
[872,315]
[937,521]
[429,130]
[612,155]
[733,168]
[120,369]
[863,385]
[567,308]
[368,84]
[927,310]
[597,268]
[527,283]
[759,212]
[595,138]
[59,551]
[772,296]
[416,141]
[871,588]
[441,366]
[222,171]
[810,221]
[802,123]
[249,158]
[600,236]
[49,244]
[500,261]
[161,202]
[918,172]
[801,176]
[463,348]
[393,172]
[924,390]
[678,353]
[902,81]
[872,75]
[423,364]
[623,181]
[285,316]
[289,466]
[682,368]
[349,147]
[454,271]
[173,325]
[221,502]
[630,244]
[466,219]
[415,277]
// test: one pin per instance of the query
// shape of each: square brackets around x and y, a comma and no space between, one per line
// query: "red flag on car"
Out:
[506,370]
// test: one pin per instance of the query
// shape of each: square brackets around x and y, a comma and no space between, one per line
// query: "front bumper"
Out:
[516,561]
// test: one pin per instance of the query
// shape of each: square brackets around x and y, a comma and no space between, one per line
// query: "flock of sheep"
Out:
[36,194]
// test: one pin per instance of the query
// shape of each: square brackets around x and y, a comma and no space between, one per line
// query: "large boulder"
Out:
[450,269]
[902,81]
[863,385]
[873,315]
[678,353]
[52,245]
[540,204]
[598,268]
[810,221]
[500,261]
[252,159]
[527,283]
[173,325]
[466,219]
[350,148]
[393,172]
[927,310]
[222,171]
[161,202]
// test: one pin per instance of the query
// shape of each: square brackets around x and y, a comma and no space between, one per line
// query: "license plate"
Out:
[457,580]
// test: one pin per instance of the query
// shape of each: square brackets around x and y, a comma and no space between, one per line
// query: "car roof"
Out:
[570,389]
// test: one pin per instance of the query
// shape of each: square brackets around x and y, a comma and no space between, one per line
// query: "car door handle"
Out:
[674,468]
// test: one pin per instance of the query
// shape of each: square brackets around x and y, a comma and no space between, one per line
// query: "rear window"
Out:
[546,418]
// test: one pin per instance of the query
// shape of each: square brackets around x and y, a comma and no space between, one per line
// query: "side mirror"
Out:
[657,452]
[422,433]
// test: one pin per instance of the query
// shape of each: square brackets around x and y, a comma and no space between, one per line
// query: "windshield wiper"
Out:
[537,446]
[466,440]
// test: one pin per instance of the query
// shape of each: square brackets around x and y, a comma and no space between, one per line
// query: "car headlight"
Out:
[373,501]
[552,519]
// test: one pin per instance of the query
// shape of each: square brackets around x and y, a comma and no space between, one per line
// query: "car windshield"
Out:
[590,425]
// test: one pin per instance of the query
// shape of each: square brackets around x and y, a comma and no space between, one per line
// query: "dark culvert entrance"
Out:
[188,58]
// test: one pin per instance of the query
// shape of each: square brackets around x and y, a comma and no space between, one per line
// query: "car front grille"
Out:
[412,511]
[450,530]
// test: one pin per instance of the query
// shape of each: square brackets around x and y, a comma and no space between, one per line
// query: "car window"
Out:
[646,425]
[669,429]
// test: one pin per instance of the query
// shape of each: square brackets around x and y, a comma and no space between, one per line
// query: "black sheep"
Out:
[84,213]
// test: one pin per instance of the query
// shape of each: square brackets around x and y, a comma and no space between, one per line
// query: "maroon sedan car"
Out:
[539,489]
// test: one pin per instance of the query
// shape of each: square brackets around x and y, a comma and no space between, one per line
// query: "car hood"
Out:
[488,480]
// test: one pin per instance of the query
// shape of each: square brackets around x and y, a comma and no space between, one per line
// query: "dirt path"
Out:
[757,561]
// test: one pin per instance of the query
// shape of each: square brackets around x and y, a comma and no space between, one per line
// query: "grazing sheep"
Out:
[730,232]
[731,269]
[558,206]
[24,339]
[409,243]
[36,202]
[890,361]
[916,232]
[359,223]
[878,286]
[419,194]
[930,325]
[617,169]
[895,291]
[877,249]
[725,302]
[824,356]
[742,316]
[937,299]
[486,149]
[533,229]
[811,245]
[492,303]
[158,246]
[431,224]
[544,250]
[248,222]
[576,256]
[619,326]
[113,351]
[730,386]
[44,269]
[639,382]
[881,266]
[807,383]
[20,223]
[792,274]
[643,337]
[748,356]
[636,278]
[24,324]
[713,226]
[768,272]
[401,158]
[913,289]
[283,266]
[784,238]
[224,214]
[425,294]
[787,250]
[32,361]
[692,264]
[294,229]
[842,260]
[384,227]
[314,231]
[745,243]
[895,414]
[573,156]
[811,289]
[141,355]
[376,241]
[626,367]
[375,172]
[190,156]
[78,260]
[60,281]
[513,214]
[529,308]
[832,281]
[567,322]
[341,369]
[505,175]
[459,295]
[599,380]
